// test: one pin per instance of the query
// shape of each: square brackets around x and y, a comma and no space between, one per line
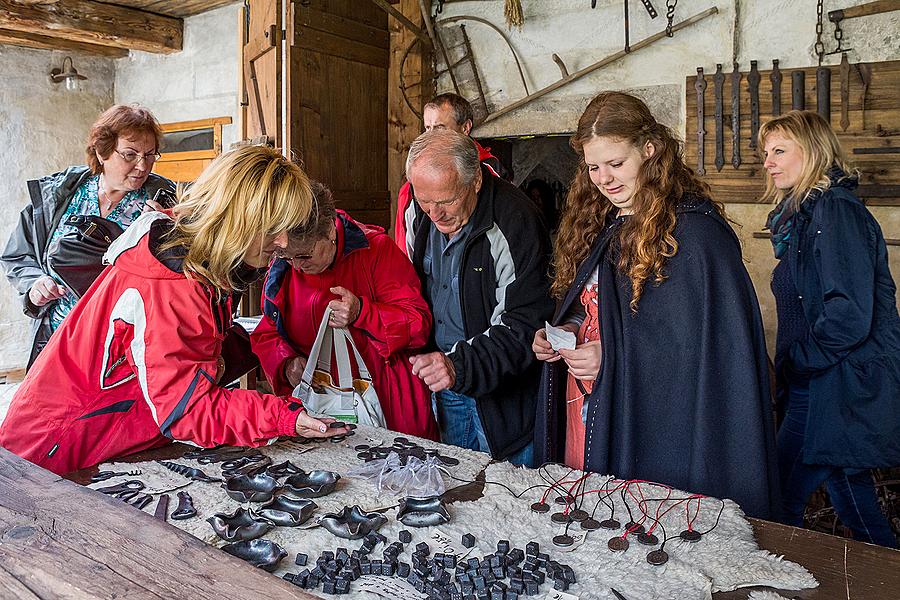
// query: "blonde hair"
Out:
[820,148]
[243,194]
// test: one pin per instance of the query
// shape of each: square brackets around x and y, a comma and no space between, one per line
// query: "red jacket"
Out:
[133,367]
[404,197]
[393,321]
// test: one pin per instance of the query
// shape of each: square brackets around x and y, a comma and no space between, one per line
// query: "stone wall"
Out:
[43,128]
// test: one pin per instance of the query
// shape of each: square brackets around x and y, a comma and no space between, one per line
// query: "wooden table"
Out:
[58,539]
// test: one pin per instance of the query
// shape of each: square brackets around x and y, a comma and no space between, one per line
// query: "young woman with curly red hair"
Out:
[669,380]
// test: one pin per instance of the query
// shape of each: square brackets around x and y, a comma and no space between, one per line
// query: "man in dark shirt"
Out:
[481,250]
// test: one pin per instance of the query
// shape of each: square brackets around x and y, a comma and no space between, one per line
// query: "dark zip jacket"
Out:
[682,396]
[504,294]
[851,351]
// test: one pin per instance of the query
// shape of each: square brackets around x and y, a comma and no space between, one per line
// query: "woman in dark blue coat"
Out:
[837,353]
[668,381]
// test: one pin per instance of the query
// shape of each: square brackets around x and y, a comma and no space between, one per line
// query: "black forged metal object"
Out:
[251,488]
[104,475]
[261,553]
[250,464]
[185,508]
[404,449]
[132,485]
[286,511]
[283,469]
[206,456]
[719,87]
[314,484]
[700,87]
[189,472]
[352,523]
[422,512]
[239,526]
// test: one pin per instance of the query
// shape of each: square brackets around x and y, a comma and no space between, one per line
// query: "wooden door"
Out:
[261,71]
[338,54]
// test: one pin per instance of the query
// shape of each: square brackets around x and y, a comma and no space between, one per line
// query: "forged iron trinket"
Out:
[540,507]
[283,469]
[240,525]
[352,523]
[104,475]
[633,527]
[422,512]
[185,508]
[657,557]
[567,499]
[261,553]
[610,524]
[285,511]
[689,535]
[314,484]
[563,541]
[206,456]
[245,465]
[590,524]
[256,488]
[647,539]
[617,544]
[560,518]
[189,472]
[578,515]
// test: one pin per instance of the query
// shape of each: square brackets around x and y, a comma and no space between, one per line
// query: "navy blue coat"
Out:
[851,352]
[682,396]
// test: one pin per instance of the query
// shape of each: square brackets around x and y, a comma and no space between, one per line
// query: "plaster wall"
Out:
[200,82]
[43,129]
[743,30]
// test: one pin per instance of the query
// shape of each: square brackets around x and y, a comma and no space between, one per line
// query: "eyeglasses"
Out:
[133,157]
[279,253]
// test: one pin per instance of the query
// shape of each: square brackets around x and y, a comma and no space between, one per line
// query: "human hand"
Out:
[542,348]
[435,369]
[310,427]
[584,361]
[152,205]
[45,290]
[293,370]
[346,310]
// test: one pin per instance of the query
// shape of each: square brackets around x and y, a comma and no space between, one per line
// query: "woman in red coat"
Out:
[372,290]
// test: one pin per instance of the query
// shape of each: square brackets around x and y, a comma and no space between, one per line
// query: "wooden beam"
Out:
[32,40]
[94,23]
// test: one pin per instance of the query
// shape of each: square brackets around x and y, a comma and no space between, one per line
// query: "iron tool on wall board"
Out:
[736,116]
[719,86]
[775,78]
[753,80]
[798,90]
[823,92]
[845,92]
[700,86]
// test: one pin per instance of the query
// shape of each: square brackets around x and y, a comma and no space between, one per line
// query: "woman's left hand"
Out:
[346,310]
[584,360]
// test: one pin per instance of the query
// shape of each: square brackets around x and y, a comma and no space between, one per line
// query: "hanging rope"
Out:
[512,10]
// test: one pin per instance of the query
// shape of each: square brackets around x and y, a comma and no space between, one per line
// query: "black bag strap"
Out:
[38,215]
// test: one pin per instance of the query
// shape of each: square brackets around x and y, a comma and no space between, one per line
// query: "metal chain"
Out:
[819,46]
[839,36]
[670,15]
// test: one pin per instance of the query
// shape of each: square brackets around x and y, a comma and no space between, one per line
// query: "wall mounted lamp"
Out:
[67,74]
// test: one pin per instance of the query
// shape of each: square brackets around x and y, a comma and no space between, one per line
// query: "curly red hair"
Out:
[117,121]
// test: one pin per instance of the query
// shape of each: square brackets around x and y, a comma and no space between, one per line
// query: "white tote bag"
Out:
[349,399]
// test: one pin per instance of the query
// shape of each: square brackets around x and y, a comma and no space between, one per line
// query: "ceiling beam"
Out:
[94,23]
[32,40]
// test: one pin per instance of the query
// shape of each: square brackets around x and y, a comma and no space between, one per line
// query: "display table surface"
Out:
[59,539]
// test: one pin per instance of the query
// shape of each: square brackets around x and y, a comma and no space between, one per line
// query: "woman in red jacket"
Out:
[371,288]
[136,363]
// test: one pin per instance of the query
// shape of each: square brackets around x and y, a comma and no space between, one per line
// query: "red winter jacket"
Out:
[404,198]
[393,321]
[133,367]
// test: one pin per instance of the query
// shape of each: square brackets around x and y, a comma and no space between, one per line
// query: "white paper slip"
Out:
[442,542]
[557,595]
[389,587]
[559,338]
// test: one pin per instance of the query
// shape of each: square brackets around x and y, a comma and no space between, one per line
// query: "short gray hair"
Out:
[442,149]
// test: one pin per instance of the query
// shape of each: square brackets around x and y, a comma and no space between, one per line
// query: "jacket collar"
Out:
[838,180]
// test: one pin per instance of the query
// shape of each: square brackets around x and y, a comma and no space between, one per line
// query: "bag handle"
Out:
[360,363]
[316,351]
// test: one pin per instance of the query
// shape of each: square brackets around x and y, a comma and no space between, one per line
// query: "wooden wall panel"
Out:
[878,125]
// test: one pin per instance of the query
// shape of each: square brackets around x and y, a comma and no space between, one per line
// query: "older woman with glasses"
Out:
[116,184]
[372,290]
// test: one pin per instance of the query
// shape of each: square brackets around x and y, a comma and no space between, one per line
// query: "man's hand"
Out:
[584,361]
[293,370]
[310,427]
[542,348]
[346,310]
[435,369]
[45,290]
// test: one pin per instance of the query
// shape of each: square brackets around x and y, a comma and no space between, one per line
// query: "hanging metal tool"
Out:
[700,86]
[670,15]
[871,8]
[600,64]
[471,56]
[736,116]
[819,46]
[648,6]
[753,81]
[438,43]
[845,92]
[627,27]
[775,78]
[823,92]
[798,90]
[719,86]
[865,74]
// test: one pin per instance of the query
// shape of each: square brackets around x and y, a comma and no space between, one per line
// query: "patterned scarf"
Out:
[780,223]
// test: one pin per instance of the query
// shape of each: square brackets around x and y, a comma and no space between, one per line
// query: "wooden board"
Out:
[262,74]
[58,539]
[876,126]
[175,8]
